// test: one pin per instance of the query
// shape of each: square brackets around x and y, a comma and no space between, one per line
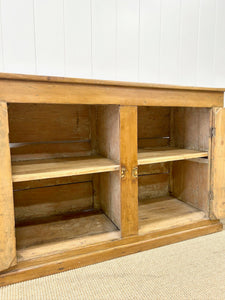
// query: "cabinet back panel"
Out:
[153,126]
[41,202]
[49,129]
[153,181]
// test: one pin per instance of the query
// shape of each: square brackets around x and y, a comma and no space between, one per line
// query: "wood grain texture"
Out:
[167,154]
[153,185]
[61,167]
[24,77]
[153,181]
[190,128]
[7,222]
[35,268]
[218,164]
[128,160]
[43,130]
[43,202]
[48,123]
[190,183]
[19,91]
[27,236]
[108,145]
[153,122]
[166,213]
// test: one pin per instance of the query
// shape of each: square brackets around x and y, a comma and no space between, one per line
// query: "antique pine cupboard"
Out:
[92,170]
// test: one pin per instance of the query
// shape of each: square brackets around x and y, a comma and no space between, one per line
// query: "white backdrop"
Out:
[164,41]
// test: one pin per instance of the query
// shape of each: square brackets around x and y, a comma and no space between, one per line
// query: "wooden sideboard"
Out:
[92,170]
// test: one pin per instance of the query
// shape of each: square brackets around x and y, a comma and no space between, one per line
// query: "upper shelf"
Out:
[167,154]
[61,167]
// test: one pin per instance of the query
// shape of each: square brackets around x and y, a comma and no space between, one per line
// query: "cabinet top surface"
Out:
[54,79]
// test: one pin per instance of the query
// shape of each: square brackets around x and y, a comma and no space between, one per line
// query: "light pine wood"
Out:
[218,164]
[61,167]
[26,185]
[84,226]
[74,149]
[167,154]
[153,185]
[46,201]
[24,77]
[108,145]
[33,268]
[47,249]
[153,126]
[33,123]
[128,160]
[45,131]
[7,227]
[19,91]
[153,181]
[165,213]
[190,128]
[190,183]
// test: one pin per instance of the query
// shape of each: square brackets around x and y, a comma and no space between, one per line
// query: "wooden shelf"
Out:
[51,237]
[153,156]
[61,167]
[165,213]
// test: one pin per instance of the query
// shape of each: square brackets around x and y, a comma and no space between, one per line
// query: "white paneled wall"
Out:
[165,41]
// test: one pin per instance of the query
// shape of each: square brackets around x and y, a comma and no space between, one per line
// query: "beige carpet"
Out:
[194,269]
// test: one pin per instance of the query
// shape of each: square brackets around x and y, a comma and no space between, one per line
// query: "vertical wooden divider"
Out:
[128,160]
[7,221]
[218,164]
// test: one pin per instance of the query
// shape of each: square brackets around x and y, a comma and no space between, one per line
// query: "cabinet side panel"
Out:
[191,128]
[7,222]
[218,164]
[190,183]
[128,158]
[107,144]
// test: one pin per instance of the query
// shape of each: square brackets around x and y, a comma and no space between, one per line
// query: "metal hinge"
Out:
[211,195]
[123,172]
[213,131]
[135,172]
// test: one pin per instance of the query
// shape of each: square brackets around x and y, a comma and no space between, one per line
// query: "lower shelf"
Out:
[165,213]
[67,260]
[52,237]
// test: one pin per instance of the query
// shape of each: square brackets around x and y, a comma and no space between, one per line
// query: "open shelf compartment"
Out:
[61,167]
[65,163]
[173,167]
[165,154]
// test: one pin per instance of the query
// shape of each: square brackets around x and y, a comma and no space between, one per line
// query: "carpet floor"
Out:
[193,269]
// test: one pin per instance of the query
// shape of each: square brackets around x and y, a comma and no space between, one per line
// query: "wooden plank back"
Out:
[153,181]
[36,203]
[153,126]
[49,129]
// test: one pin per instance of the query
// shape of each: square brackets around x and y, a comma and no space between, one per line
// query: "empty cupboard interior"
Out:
[66,172]
[66,181]
[173,173]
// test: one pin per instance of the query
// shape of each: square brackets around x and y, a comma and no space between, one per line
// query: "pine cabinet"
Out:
[92,170]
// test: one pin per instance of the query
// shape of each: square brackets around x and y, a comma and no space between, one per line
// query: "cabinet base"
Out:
[67,260]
